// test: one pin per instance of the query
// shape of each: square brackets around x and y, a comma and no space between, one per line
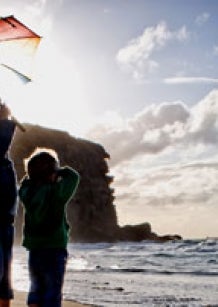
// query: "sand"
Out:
[20,300]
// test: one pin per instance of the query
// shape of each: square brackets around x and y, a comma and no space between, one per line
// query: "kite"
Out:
[18,45]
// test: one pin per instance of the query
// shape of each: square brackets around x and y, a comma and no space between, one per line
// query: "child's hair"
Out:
[42,163]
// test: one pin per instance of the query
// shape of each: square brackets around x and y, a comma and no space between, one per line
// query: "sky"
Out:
[140,78]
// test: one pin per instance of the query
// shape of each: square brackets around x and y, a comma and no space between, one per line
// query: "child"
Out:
[8,199]
[45,192]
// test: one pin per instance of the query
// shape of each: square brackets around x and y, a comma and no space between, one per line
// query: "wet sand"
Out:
[20,300]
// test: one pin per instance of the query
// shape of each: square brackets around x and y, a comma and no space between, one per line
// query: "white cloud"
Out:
[203,127]
[182,34]
[136,57]
[176,198]
[160,171]
[190,80]
[201,19]
[136,135]
[160,127]
[173,185]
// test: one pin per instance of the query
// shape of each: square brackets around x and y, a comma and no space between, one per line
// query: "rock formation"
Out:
[91,214]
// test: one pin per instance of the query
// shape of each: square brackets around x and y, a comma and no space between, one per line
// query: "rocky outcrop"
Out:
[142,232]
[91,213]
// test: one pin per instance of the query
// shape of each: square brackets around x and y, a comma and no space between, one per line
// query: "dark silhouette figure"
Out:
[45,193]
[8,204]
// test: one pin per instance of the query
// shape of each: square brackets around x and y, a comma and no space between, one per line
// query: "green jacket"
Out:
[45,224]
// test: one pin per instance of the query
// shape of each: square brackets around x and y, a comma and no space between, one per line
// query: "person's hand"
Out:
[53,177]
[5,112]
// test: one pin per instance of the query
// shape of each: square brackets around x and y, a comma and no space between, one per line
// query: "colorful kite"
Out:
[17,46]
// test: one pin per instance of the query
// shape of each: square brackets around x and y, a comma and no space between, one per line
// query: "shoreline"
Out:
[20,300]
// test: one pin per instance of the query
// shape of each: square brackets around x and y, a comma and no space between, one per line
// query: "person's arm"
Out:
[67,181]
[7,128]
[23,189]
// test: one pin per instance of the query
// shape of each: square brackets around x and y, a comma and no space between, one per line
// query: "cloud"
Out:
[160,127]
[179,182]
[136,57]
[173,185]
[190,80]
[203,127]
[176,198]
[149,131]
[202,19]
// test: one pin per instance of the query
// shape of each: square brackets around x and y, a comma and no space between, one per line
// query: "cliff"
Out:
[91,214]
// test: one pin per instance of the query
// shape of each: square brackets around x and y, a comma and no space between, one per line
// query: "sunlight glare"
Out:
[55,97]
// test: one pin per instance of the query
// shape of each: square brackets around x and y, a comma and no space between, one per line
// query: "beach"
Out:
[20,300]
[180,273]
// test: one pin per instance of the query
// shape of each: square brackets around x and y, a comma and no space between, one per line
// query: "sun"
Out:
[55,98]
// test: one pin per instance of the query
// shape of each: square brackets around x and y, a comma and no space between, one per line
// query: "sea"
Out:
[177,273]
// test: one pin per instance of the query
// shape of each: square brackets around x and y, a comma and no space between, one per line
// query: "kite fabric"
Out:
[17,46]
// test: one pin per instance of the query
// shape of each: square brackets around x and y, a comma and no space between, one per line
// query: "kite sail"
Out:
[17,46]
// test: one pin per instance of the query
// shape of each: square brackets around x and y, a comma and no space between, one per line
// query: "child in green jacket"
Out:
[45,193]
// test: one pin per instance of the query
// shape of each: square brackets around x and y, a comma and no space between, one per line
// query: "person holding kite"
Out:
[8,206]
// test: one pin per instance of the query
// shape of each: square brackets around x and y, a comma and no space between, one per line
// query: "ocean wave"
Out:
[99,269]
[137,274]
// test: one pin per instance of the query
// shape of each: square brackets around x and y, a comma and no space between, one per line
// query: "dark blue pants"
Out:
[8,197]
[6,244]
[8,192]
[46,270]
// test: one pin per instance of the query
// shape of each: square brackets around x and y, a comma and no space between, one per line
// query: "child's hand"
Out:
[53,177]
